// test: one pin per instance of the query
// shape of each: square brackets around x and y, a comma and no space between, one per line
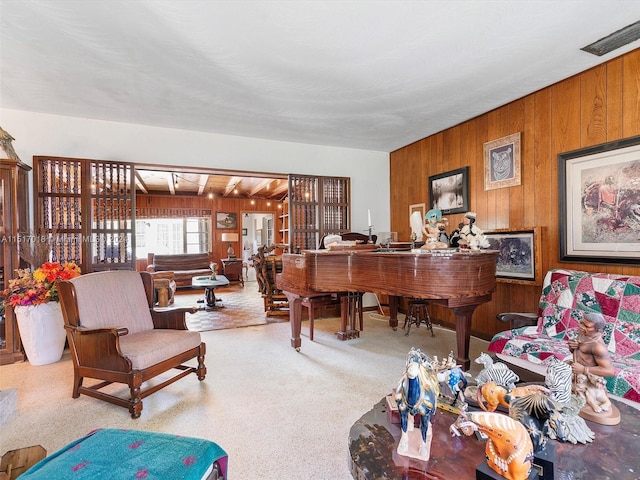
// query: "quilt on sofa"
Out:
[566,296]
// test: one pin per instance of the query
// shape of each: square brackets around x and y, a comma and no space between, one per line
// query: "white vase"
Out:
[42,332]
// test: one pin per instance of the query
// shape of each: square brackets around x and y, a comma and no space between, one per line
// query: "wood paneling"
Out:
[596,106]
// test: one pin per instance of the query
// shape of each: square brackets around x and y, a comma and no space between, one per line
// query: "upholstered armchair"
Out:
[115,336]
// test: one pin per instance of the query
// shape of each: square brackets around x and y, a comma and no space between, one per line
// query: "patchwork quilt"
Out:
[112,453]
[566,296]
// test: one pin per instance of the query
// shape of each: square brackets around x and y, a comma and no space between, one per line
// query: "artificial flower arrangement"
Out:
[41,286]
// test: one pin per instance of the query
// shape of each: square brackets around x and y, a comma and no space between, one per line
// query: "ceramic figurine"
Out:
[433,227]
[509,450]
[591,360]
[417,394]
[471,236]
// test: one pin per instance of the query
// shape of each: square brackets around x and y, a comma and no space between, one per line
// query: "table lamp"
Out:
[230,237]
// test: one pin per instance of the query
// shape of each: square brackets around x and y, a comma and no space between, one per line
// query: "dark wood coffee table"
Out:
[373,440]
[210,284]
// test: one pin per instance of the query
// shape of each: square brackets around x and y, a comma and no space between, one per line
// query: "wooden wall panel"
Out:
[596,106]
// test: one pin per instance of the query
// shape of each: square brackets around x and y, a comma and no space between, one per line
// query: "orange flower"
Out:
[41,286]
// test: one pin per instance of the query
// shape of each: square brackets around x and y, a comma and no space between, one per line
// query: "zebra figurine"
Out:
[558,380]
[496,372]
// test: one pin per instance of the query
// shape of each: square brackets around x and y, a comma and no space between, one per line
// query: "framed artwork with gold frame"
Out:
[502,162]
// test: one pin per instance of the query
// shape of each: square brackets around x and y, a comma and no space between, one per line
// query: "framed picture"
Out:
[502,162]
[600,203]
[418,207]
[226,221]
[518,255]
[449,191]
[244,232]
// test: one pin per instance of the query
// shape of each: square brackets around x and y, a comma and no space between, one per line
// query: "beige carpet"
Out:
[279,414]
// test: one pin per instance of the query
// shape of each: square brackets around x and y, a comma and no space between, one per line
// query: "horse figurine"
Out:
[509,450]
[417,394]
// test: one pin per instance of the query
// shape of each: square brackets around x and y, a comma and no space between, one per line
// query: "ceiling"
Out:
[186,182]
[374,75]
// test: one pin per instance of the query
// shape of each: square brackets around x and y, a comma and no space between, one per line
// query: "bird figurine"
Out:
[5,143]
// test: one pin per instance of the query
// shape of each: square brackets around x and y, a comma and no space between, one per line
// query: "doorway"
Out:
[257,230]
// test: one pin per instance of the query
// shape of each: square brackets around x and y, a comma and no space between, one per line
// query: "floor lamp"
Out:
[230,237]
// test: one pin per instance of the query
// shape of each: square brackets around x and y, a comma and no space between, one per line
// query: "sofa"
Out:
[179,267]
[566,296]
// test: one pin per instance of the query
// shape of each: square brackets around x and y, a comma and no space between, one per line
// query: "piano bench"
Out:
[417,314]
[312,302]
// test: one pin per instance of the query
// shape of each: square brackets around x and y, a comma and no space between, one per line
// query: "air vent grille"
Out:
[618,39]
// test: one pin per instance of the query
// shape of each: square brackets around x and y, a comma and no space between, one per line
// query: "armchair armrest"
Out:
[100,347]
[173,318]
[517,319]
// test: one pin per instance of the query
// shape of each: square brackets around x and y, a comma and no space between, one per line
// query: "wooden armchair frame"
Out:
[96,353]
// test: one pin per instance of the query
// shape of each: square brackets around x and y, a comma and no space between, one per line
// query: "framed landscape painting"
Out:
[226,221]
[449,191]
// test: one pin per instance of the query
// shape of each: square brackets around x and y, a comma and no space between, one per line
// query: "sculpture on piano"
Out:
[417,394]
[434,229]
[471,236]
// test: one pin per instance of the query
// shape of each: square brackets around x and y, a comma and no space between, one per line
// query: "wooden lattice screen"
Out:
[317,206]
[85,208]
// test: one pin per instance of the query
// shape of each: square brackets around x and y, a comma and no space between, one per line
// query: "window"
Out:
[172,235]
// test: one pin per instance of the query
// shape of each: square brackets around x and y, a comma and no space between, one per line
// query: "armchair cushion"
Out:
[106,300]
[147,348]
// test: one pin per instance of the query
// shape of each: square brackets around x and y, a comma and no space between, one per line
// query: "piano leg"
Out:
[463,334]
[295,318]
[393,312]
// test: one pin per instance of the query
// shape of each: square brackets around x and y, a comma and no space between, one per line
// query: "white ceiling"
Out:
[373,75]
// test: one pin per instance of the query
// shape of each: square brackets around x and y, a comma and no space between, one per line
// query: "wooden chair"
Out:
[115,336]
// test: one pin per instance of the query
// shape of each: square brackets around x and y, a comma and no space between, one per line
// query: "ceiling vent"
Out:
[618,39]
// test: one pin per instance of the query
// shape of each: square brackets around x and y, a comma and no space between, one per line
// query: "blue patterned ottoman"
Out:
[131,454]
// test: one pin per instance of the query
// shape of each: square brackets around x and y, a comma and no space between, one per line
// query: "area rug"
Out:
[241,307]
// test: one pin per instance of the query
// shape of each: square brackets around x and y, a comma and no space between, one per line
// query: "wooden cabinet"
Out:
[14,208]
[232,269]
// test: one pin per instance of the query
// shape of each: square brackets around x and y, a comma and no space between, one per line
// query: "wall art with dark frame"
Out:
[449,191]
[226,221]
[518,255]
[600,203]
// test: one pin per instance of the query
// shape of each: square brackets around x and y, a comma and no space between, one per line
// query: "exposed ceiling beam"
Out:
[140,182]
[170,179]
[202,184]
[233,182]
[260,186]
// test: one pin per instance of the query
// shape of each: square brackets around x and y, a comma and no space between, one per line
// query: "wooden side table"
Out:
[232,269]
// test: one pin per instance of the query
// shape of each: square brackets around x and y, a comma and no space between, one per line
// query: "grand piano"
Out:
[459,280]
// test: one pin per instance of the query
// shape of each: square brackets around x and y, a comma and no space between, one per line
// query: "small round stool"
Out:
[418,313]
